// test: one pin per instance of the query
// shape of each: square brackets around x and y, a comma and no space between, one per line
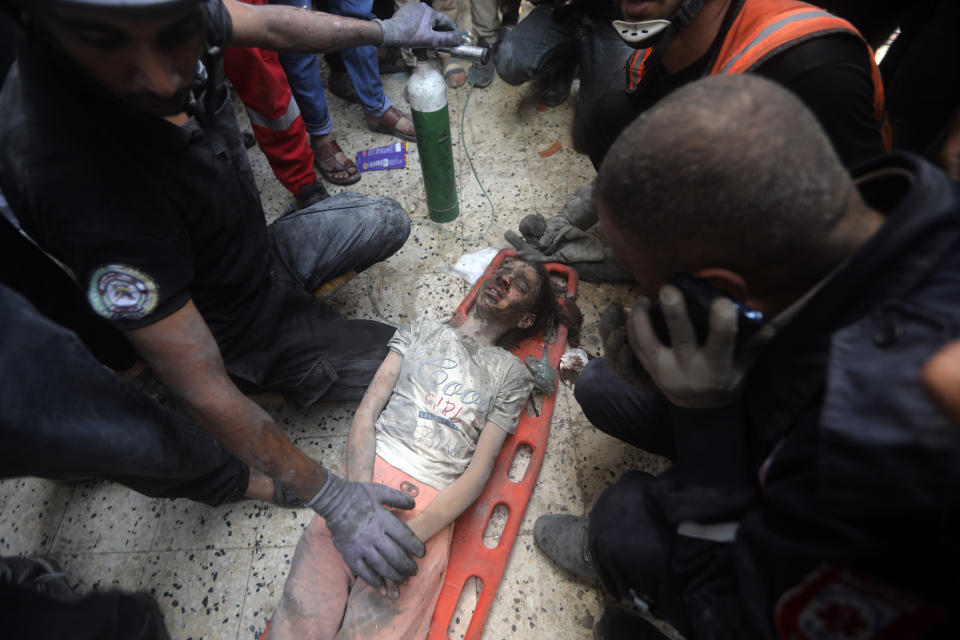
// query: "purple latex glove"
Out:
[416,26]
[374,543]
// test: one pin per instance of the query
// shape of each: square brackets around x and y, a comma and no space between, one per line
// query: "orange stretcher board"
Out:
[469,557]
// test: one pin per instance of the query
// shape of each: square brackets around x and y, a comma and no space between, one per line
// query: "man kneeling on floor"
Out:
[443,457]
[120,155]
[814,492]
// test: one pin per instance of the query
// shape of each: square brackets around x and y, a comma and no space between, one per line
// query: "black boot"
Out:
[555,85]
[563,538]
[341,86]
[310,194]
[619,623]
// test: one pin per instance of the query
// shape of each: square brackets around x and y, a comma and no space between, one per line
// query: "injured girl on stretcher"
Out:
[431,424]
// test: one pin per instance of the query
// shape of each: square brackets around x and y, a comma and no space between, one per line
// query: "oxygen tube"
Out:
[427,93]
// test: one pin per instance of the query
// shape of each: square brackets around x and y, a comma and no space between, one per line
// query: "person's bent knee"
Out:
[592,386]
[395,222]
[626,541]
[512,66]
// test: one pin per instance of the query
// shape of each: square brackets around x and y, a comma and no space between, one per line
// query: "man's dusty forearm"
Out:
[248,432]
[294,30]
[183,354]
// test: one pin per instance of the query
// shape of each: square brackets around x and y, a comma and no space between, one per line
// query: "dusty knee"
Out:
[511,67]
[591,384]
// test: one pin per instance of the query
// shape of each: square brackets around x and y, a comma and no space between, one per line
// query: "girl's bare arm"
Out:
[361,443]
[463,491]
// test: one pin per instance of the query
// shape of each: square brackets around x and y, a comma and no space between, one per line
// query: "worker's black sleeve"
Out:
[24,268]
[832,76]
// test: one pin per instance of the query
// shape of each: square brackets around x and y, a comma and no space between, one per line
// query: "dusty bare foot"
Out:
[454,73]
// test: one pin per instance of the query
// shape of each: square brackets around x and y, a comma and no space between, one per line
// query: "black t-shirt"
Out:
[148,215]
[831,75]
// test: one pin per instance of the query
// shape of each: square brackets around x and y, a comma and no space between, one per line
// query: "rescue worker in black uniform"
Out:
[120,155]
[814,492]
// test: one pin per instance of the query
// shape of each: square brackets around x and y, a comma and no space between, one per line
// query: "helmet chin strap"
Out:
[642,34]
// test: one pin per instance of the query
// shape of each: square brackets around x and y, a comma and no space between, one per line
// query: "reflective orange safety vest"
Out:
[764,28]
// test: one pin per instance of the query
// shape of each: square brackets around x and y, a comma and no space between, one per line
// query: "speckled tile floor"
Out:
[217,572]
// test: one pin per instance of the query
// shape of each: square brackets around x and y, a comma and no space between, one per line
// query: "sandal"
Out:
[332,170]
[387,123]
[451,68]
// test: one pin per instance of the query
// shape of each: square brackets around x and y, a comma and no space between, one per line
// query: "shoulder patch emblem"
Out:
[121,292]
[837,603]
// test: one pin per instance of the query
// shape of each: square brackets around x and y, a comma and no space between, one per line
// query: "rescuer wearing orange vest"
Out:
[820,57]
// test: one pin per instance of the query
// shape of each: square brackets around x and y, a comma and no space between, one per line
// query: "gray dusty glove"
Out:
[690,374]
[374,543]
[581,250]
[416,26]
[554,240]
[616,349]
[578,209]
[564,237]
[606,270]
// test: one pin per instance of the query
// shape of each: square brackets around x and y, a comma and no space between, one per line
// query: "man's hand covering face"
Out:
[689,374]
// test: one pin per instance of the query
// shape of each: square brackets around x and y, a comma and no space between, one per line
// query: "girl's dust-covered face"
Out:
[510,291]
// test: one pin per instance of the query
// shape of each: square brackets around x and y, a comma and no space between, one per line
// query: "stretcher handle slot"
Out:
[520,463]
[496,523]
[466,605]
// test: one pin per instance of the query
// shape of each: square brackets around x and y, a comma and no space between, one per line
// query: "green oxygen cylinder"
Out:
[427,93]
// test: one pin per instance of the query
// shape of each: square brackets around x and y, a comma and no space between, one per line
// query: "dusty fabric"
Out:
[449,387]
[485,17]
